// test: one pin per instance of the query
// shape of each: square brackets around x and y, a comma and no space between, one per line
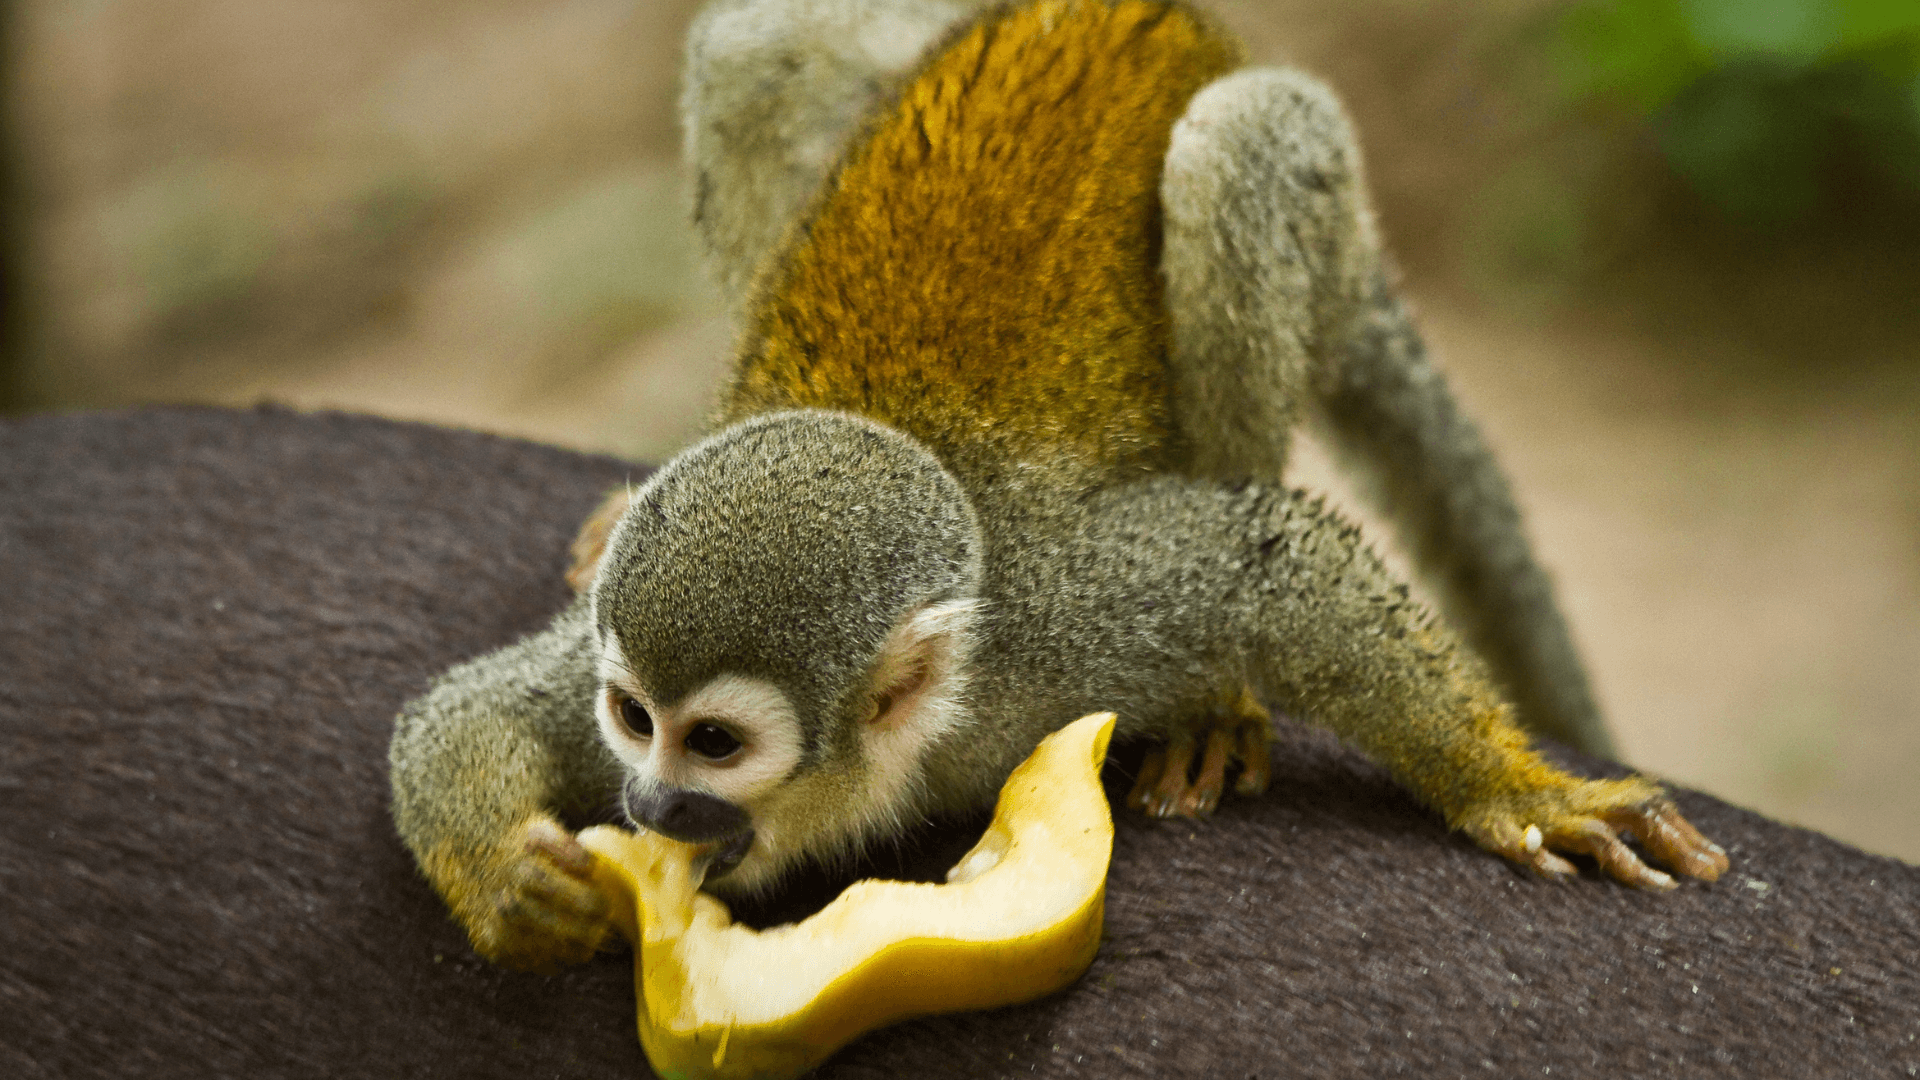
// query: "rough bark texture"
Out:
[208,620]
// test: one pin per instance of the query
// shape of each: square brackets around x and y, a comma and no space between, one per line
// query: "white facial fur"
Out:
[921,673]
[752,710]
[830,813]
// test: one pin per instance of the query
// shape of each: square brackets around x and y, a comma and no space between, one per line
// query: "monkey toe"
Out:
[1188,776]
[1170,793]
[1671,839]
[1151,766]
[1255,776]
[1655,824]
[1203,797]
[1254,743]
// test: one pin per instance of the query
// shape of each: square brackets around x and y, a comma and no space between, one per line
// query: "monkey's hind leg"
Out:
[1280,296]
[773,90]
[1267,243]
[1168,786]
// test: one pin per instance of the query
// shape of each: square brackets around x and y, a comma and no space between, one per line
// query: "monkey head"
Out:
[784,616]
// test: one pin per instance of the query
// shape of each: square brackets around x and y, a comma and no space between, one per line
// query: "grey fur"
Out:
[773,89]
[1148,598]
[1267,240]
[1427,466]
[503,737]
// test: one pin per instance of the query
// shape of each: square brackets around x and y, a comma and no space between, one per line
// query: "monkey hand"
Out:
[535,906]
[1586,817]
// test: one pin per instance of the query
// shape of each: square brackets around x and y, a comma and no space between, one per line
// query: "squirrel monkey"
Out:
[1029,308]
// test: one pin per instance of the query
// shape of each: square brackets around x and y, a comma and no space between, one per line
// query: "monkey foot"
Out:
[1167,784]
[1655,823]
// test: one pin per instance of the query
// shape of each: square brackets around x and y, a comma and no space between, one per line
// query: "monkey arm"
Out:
[482,767]
[1193,587]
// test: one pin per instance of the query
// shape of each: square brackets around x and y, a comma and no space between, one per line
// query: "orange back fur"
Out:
[983,271]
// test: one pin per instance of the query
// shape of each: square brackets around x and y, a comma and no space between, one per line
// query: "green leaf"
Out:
[1796,31]
[1637,50]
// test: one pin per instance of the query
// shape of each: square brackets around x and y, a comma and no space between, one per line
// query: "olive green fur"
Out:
[786,547]
[494,744]
[510,721]
[1146,581]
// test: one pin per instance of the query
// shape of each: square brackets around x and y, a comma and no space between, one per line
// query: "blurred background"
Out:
[1669,251]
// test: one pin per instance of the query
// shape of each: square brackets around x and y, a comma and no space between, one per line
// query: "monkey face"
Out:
[730,763]
[782,614]
[697,769]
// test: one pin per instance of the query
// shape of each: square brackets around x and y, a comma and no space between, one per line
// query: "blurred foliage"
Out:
[1771,110]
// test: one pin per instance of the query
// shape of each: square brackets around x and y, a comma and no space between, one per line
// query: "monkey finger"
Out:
[1523,846]
[1204,796]
[534,915]
[549,891]
[1151,767]
[1590,836]
[531,935]
[1672,839]
[551,841]
[551,899]
[1550,866]
[567,914]
[1256,760]
[549,919]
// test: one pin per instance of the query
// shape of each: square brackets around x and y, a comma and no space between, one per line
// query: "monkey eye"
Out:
[712,741]
[634,715]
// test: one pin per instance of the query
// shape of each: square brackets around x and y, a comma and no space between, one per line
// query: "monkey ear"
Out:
[591,543]
[920,658]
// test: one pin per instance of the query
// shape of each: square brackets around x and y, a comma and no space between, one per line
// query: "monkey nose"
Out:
[692,817]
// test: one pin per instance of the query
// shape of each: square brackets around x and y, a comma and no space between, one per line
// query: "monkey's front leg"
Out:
[480,765]
[1268,583]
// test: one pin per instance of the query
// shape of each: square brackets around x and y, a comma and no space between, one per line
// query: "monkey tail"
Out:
[1431,472]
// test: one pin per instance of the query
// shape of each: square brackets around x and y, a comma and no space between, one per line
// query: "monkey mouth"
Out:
[723,857]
